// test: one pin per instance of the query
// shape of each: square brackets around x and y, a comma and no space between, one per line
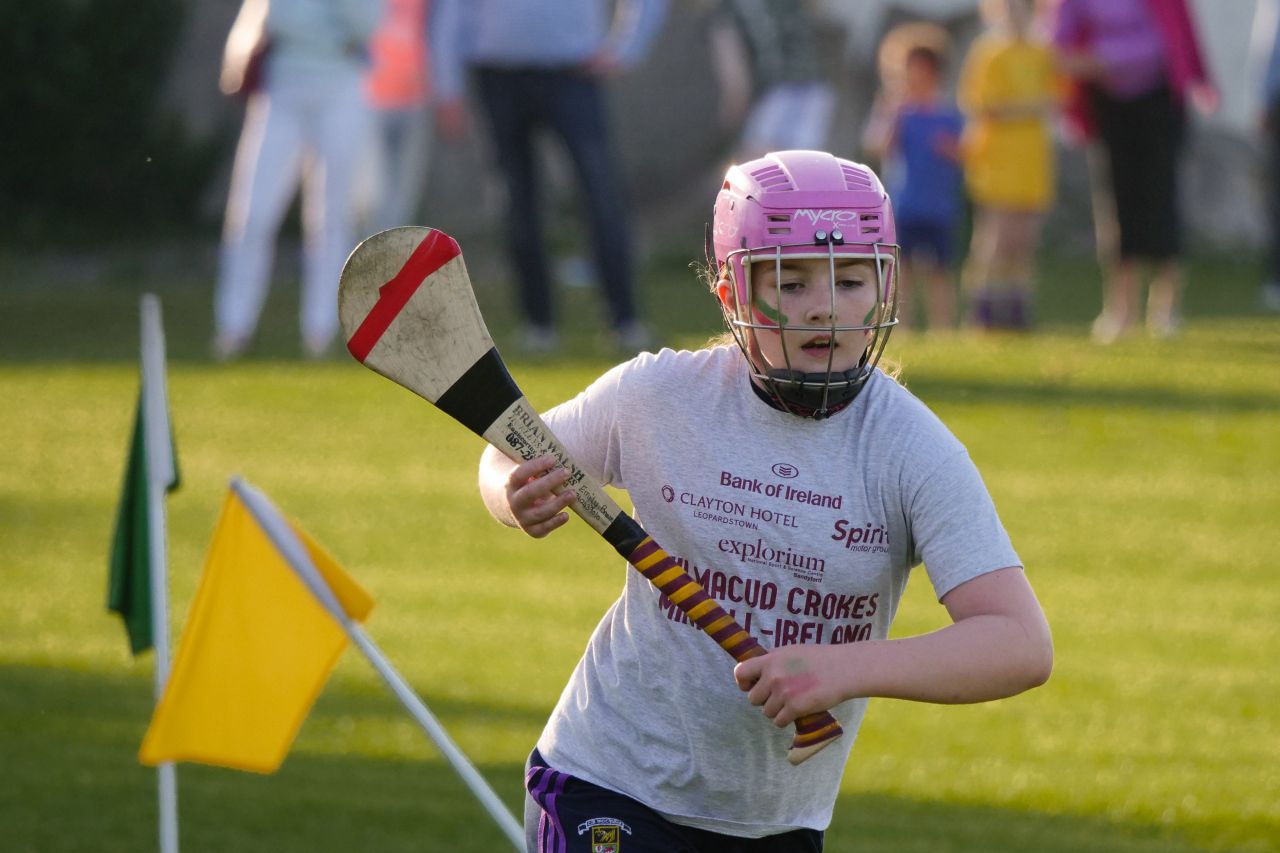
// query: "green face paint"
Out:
[770,312]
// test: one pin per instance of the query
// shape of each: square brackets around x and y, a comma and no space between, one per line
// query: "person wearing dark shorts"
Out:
[564,814]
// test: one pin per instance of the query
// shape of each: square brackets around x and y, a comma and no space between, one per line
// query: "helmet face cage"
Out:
[807,206]
[812,394]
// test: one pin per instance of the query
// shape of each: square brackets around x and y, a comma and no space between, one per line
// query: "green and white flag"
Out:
[152,470]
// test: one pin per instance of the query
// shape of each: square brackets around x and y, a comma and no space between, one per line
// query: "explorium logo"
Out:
[803,566]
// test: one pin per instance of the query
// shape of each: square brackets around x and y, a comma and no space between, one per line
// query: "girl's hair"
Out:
[708,273]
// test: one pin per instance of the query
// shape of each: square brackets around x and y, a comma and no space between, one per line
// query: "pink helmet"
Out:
[805,204]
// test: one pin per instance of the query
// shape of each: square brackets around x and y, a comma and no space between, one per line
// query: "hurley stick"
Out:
[408,312]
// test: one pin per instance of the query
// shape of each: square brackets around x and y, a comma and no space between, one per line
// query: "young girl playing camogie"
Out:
[829,482]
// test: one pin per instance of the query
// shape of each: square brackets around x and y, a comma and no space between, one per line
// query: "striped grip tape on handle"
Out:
[813,731]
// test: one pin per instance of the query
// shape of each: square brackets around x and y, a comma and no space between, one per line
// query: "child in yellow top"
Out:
[1007,88]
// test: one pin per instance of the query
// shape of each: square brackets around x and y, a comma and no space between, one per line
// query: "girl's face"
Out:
[799,293]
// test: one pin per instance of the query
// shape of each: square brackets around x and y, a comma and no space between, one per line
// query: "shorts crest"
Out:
[606,834]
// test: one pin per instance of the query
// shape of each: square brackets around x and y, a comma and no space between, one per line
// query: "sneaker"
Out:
[1163,321]
[1107,329]
[228,347]
[1018,313]
[1270,296]
[1164,326]
[982,311]
[539,340]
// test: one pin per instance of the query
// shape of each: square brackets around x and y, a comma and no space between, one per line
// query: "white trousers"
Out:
[312,131]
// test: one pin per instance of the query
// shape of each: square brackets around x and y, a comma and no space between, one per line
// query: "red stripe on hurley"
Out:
[435,250]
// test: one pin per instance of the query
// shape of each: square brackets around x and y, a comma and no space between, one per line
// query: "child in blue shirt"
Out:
[915,133]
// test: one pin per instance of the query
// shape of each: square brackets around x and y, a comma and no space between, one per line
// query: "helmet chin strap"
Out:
[816,395]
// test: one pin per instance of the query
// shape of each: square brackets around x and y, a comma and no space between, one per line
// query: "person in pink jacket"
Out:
[1134,64]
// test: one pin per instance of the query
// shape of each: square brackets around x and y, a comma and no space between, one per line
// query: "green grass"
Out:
[1140,482]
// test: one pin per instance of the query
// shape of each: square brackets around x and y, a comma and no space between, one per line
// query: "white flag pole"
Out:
[295,553]
[158,446]
[429,724]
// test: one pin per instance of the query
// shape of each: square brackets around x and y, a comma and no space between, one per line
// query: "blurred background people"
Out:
[1134,63]
[1007,90]
[308,123]
[398,86]
[766,59]
[542,66]
[1265,57]
[914,132]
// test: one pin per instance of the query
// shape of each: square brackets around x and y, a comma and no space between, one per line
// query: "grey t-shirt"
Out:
[804,530]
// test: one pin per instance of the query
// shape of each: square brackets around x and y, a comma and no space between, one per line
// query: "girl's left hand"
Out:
[792,681]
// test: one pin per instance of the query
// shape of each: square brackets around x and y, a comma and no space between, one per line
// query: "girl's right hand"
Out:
[537,509]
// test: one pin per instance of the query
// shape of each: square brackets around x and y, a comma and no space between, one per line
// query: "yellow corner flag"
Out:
[267,626]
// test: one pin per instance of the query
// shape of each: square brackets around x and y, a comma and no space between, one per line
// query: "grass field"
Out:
[1140,483]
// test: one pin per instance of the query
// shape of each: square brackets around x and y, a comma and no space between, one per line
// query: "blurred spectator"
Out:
[308,122]
[542,65]
[1266,60]
[398,86]
[914,131]
[766,60]
[1134,62]
[1008,86]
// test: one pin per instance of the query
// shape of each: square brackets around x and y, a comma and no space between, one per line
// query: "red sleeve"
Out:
[1186,61]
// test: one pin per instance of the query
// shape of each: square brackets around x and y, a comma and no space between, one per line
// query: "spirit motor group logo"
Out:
[866,536]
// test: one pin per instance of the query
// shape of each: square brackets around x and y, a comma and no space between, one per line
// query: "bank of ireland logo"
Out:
[668,494]
[606,834]
[785,470]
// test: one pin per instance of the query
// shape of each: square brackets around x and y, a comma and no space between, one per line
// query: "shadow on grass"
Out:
[72,783]
[99,325]
[971,390]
